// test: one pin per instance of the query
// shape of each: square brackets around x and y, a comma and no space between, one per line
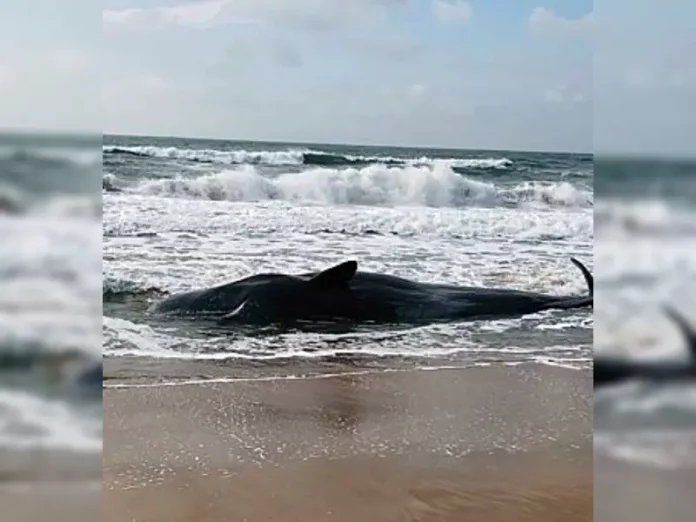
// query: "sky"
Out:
[49,65]
[511,74]
[399,72]
[645,77]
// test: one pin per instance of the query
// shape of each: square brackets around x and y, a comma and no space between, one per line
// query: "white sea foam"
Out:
[296,156]
[294,377]
[50,275]
[646,251]
[374,185]
[14,203]
[286,157]
[28,421]
[658,447]
[645,248]
[204,241]
[191,225]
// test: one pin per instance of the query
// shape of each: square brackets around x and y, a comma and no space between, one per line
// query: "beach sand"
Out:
[494,444]
[642,493]
[41,485]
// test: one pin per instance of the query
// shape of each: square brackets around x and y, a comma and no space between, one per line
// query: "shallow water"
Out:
[180,214]
[49,301]
[645,253]
[344,425]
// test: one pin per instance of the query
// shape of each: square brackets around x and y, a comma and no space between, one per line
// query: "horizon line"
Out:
[307,142]
[91,135]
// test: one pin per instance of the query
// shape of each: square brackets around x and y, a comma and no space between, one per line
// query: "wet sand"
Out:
[642,493]
[58,502]
[61,486]
[496,444]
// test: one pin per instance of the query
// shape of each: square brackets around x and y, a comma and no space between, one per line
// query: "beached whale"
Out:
[613,370]
[342,293]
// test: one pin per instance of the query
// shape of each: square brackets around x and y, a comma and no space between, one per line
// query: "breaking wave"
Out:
[114,289]
[296,157]
[374,185]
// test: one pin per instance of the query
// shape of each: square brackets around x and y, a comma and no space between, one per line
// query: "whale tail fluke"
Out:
[589,278]
[686,329]
[567,303]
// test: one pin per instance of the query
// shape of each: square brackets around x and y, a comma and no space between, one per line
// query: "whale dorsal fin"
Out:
[685,328]
[337,276]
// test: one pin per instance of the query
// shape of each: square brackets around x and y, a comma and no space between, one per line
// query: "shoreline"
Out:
[152,372]
[431,445]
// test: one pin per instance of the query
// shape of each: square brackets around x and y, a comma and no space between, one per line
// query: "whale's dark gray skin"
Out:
[610,371]
[341,293]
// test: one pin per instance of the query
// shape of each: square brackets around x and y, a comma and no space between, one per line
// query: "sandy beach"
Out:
[59,501]
[642,493]
[494,444]
[39,485]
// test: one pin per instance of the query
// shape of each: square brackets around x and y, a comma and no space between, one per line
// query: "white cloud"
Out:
[49,65]
[543,19]
[55,89]
[286,56]
[7,74]
[143,85]
[74,61]
[317,14]
[58,63]
[639,77]
[564,94]
[199,14]
[553,96]
[417,91]
[123,16]
[193,14]
[153,83]
[453,10]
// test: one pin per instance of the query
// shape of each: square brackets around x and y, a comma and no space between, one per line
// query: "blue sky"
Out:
[645,77]
[406,72]
[518,74]
[49,69]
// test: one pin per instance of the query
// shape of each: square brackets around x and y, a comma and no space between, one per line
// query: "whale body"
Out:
[342,293]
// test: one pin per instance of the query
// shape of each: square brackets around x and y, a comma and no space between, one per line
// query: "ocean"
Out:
[184,213]
[50,309]
[645,244]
